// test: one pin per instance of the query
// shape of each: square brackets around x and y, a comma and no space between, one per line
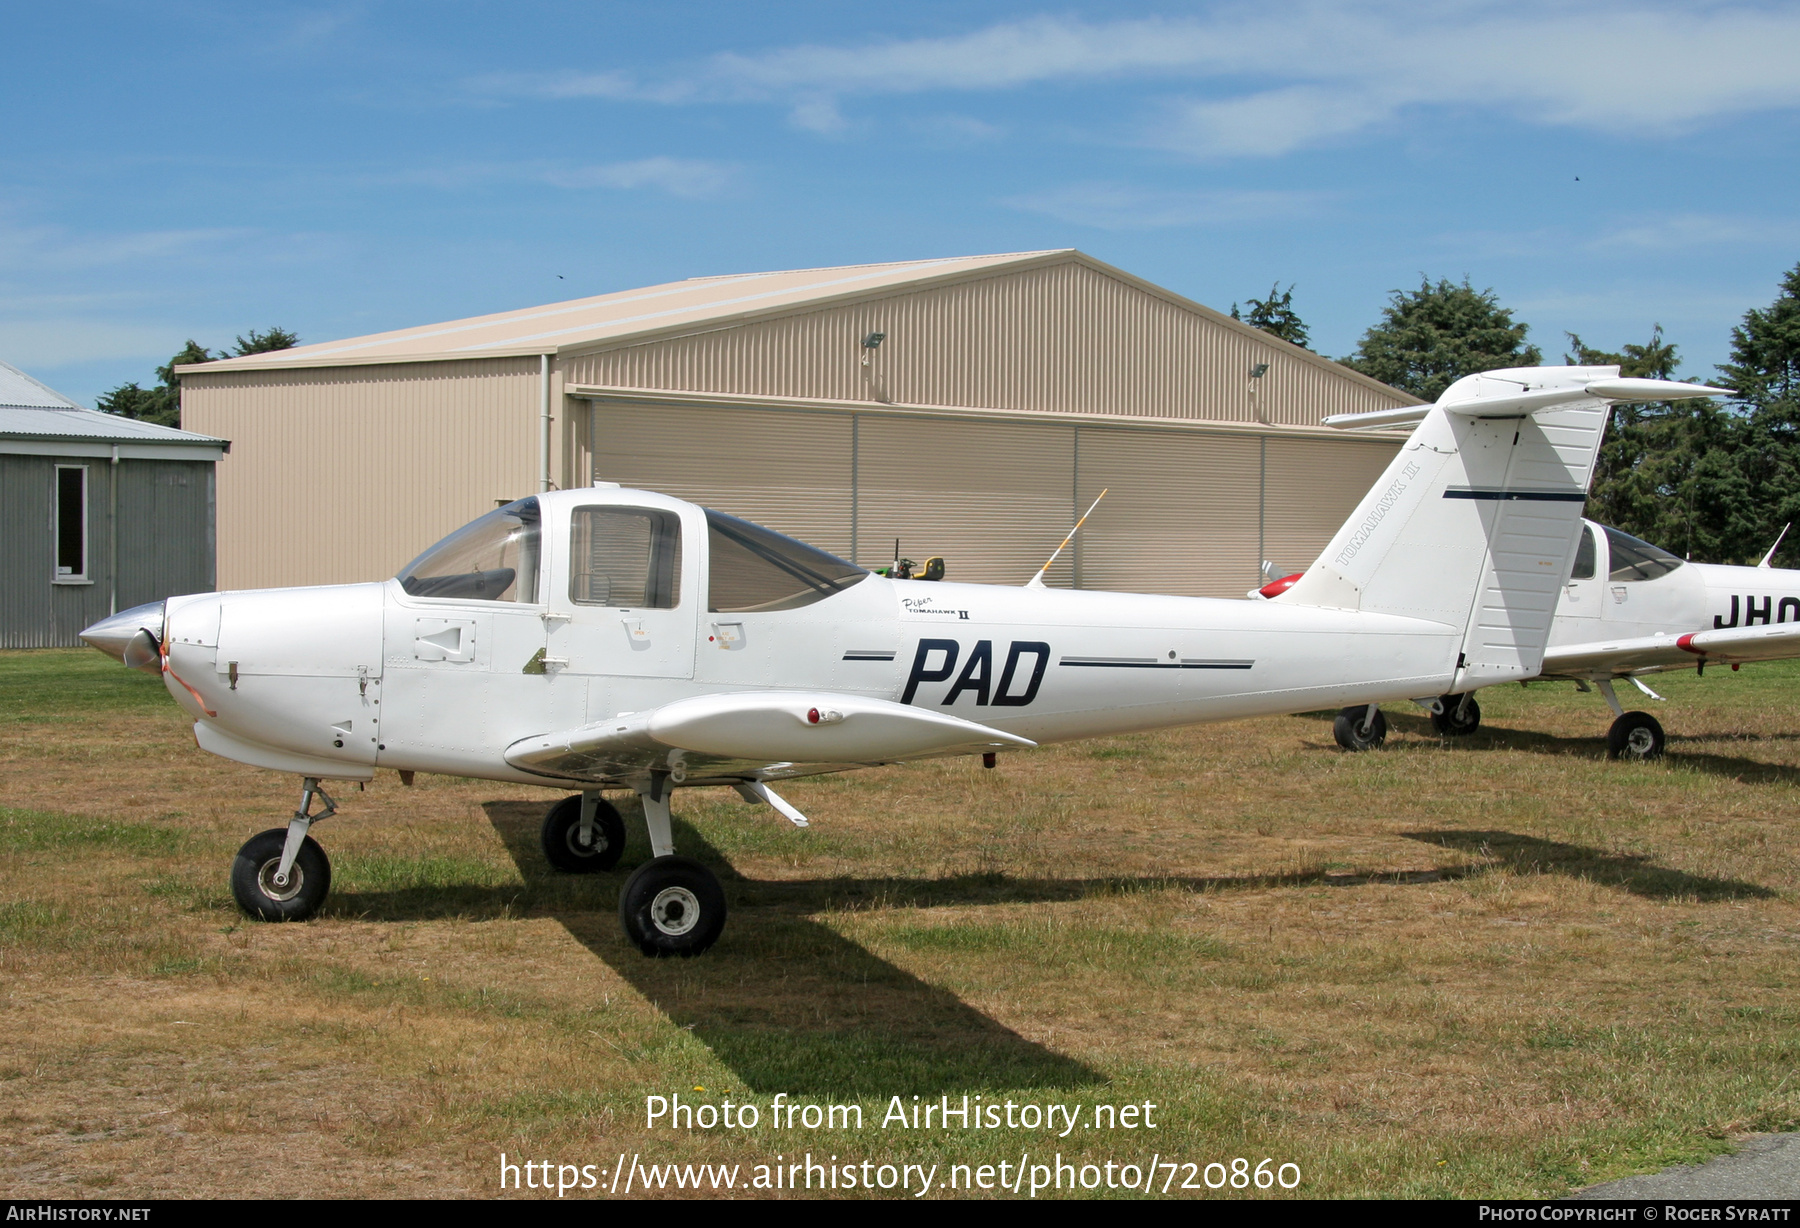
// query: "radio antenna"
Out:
[1037,581]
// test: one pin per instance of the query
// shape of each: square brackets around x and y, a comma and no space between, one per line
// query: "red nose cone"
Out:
[1274,588]
[812,716]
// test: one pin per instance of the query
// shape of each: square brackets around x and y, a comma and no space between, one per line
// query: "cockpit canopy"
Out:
[1631,558]
[629,557]
[494,558]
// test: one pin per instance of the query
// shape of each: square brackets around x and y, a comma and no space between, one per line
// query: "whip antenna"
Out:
[1037,581]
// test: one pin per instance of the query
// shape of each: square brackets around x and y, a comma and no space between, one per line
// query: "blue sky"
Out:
[195,170]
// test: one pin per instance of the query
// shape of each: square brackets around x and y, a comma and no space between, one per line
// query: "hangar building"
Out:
[97,513]
[971,408]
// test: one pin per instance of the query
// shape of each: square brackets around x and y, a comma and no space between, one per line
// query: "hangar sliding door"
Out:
[787,469]
[1179,515]
[1311,487]
[993,498]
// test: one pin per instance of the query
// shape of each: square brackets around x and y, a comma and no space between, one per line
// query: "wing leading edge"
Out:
[1658,652]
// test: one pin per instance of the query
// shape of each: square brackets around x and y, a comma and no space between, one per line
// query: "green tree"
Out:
[1276,315]
[1764,371]
[162,404]
[1433,336]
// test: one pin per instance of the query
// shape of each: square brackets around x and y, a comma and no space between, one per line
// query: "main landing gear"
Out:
[1634,735]
[1362,727]
[670,905]
[1456,716]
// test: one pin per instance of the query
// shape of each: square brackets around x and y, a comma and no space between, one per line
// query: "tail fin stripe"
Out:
[1536,496]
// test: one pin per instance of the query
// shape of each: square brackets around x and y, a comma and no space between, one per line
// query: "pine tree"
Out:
[162,404]
[1276,315]
[1433,336]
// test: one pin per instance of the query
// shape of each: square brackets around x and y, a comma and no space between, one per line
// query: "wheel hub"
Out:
[675,911]
[265,879]
[1640,741]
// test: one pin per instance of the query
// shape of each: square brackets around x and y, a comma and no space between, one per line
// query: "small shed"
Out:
[97,513]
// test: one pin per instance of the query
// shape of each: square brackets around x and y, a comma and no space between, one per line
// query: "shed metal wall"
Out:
[338,474]
[1065,338]
[165,543]
[1189,511]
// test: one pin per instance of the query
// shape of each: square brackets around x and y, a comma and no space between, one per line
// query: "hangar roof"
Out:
[31,410]
[676,306]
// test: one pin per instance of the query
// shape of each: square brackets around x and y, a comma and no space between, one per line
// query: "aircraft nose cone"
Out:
[132,636]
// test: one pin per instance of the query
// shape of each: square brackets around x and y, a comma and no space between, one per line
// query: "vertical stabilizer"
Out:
[1474,524]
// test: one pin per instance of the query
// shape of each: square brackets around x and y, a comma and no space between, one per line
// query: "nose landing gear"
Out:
[284,875]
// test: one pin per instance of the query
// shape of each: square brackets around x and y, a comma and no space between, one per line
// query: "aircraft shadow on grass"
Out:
[1497,737]
[1633,872]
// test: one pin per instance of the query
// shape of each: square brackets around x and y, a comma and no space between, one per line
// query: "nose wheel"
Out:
[282,874]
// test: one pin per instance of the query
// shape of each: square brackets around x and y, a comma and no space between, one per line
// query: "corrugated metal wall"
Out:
[339,474]
[165,543]
[1065,338]
[1189,512]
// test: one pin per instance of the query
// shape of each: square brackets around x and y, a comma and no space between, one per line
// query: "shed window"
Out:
[753,568]
[491,559]
[71,522]
[625,556]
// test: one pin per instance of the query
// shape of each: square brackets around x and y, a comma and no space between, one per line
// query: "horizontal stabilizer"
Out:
[1519,391]
[738,733]
[1658,652]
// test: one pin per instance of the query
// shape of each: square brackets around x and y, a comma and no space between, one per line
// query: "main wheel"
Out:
[1348,728]
[253,882]
[672,906]
[1636,735]
[1458,716]
[562,837]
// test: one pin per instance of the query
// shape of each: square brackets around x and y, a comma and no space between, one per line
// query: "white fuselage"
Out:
[341,680]
[1692,597]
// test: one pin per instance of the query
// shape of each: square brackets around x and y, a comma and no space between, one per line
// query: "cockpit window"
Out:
[753,568]
[1584,555]
[625,556]
[1633,559]
[491,559]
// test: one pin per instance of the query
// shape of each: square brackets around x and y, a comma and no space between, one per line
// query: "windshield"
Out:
[1584,555]
[491,559]
[753,568]
[1633,559]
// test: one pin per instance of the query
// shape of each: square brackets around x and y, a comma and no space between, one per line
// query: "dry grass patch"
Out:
[1501,967]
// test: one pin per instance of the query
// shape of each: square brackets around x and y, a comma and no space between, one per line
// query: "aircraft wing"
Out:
[744,735]
[1606,658]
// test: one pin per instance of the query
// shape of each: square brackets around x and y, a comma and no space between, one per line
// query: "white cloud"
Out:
[1696,230]
[1115,206]
[58,248]
[820,115]
[1278,77]
[687,177]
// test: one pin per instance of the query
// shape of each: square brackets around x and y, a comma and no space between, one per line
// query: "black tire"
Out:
[253,878]
[1348,728]
[1459,717]
[672,906]
[1637,736]
[562,837]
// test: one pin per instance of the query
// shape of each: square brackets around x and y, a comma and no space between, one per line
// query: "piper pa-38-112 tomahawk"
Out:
[617,639]
[1627,608]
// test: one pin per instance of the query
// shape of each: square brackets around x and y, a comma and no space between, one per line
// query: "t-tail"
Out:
[1476,521]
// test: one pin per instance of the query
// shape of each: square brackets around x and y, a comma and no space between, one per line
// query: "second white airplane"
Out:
[617,639]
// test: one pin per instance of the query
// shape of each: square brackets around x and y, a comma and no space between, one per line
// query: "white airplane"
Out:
[618,639]
[1628,608]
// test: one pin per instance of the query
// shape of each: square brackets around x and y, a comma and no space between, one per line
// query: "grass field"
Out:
[1501,967]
